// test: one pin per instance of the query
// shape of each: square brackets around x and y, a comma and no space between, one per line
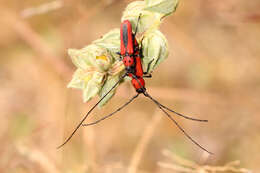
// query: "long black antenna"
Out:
[81,122]
[109,115]
[138,20]
[175,122]
[184,116]
[177,113]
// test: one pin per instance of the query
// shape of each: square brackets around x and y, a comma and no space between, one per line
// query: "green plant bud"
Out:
[165,7]
[93,64]
[155,49]
[96,64]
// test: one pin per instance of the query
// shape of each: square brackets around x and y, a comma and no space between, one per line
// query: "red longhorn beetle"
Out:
[131,54]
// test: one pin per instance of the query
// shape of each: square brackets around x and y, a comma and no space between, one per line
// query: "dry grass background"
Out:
[212,72]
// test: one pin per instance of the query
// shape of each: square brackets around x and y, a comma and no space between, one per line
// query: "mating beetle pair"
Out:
[131,54]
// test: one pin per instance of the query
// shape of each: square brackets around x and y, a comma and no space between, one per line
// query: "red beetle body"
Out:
[130,51]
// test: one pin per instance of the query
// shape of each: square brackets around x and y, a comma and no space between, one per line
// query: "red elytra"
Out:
[138,84]
[126,38]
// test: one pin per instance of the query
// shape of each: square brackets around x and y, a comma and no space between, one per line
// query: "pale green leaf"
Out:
[80,79]
[78,58]
[93,86]
[165,7]
[110,41]
[110,82]
[148,20]
[91,91]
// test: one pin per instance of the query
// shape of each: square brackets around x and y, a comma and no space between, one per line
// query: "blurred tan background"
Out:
[212,73]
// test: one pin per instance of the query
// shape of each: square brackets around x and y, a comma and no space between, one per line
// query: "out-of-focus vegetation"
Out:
[212,72]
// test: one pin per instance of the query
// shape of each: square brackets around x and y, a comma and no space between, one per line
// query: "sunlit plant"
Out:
[98,65]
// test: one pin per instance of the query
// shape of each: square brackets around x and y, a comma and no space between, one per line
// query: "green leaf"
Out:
[80,79]
[110,82]
[148,21]
[165,7]
[91,91]
[93,86]
[110,41]
[78,58]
